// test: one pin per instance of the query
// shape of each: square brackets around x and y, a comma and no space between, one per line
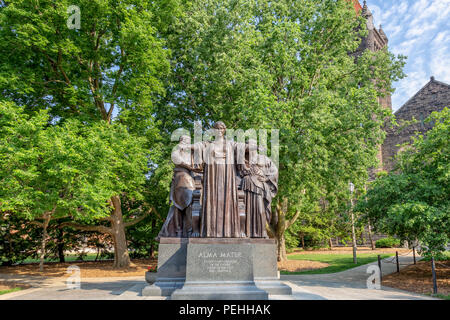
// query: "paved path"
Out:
[347,285]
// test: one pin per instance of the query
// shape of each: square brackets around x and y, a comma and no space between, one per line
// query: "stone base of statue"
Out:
[216,268]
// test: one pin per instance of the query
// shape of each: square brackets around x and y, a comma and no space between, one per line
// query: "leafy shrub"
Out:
[387,243]
[18,240]
[441,256]
[292,241]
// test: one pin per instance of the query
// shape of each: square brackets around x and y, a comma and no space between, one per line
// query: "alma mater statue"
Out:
[224,169]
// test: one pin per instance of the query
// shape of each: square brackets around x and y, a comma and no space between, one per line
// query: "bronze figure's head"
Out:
[220,127]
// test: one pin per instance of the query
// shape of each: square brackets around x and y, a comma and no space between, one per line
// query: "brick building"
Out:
[434,96]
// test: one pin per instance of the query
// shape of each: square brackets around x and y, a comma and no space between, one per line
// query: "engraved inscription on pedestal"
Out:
[220,263]
[217,262]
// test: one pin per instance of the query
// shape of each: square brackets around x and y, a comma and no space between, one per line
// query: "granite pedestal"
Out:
[216,268]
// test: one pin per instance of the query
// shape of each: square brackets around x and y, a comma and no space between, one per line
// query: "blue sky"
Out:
[419,29]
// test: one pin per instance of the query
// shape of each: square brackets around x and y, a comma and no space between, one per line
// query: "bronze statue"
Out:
[216,196]
[179,219]
[260,183]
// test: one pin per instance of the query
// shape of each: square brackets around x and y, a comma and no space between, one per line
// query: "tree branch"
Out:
[59,64]
[156,212]
[293,219]
[137,220]
[97,101]
[37,223]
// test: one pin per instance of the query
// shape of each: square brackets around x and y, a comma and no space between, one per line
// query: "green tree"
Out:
[284,65]
[50,172]
[108,70]
[413,202]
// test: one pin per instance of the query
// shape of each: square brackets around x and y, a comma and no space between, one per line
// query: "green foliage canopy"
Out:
[70,169]
[413,203]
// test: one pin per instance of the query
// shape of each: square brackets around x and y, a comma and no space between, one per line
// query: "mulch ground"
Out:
[4,285]
[88,269]
[418,278]
[300,265]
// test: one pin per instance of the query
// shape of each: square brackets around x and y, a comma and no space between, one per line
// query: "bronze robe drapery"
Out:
[181,190]
[220,216]
[260,184]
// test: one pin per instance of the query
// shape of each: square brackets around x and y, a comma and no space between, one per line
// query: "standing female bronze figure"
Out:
[260,183]
[220,216]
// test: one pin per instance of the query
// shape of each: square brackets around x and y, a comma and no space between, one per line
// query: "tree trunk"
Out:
[61,245]
[372,243]
[116,231]
[152,245]
[278,226]
[45,223]
[353,234]
[330,242]
[98,253]
[279,229]
[121,257]
[281,246]
[302,238]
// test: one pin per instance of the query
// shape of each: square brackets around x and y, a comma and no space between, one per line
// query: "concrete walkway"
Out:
[347,285]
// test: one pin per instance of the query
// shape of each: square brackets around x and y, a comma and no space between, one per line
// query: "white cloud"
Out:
[440,56]
[428,16]
[408,87]
[393,30]
[402,8]
[419,29]
[406,47]
[421,5]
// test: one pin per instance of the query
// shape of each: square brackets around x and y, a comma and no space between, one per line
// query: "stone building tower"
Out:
[376,40]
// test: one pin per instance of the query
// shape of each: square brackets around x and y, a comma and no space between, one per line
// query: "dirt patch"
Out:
[300,265]
[418,278]
[88,269]
[349,250]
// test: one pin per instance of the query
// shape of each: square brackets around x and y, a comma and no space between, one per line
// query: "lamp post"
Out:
[352,188]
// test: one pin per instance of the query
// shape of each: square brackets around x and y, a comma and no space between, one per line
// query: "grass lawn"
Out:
[9,290]
[440,296]
[337,262]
